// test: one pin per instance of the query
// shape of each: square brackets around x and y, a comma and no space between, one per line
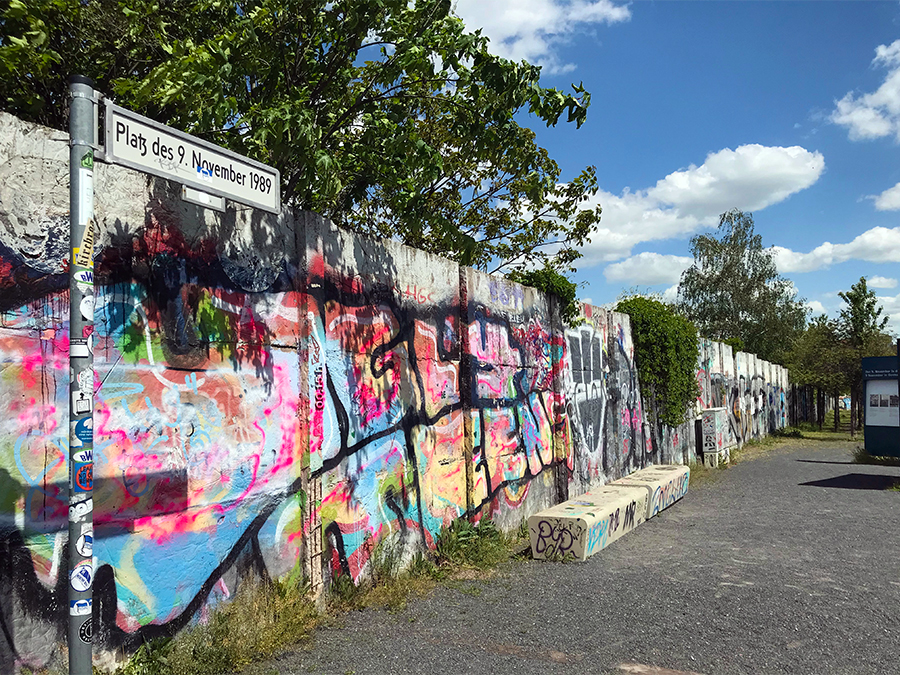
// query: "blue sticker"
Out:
[84,430]
[80,607]
[82,477]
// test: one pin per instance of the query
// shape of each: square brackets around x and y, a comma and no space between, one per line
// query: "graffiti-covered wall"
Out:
[753,392]
[279,398]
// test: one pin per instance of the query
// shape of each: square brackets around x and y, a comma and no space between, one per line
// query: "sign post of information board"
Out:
[882,405]
[208,174]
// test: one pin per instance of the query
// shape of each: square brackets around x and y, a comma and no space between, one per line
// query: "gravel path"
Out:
[788,563]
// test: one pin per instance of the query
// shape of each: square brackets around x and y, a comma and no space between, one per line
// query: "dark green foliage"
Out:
[820,357]
[733,290]
[787,432]
[386,116]
[665,351]
[862,322]
[736,344]
[548,280]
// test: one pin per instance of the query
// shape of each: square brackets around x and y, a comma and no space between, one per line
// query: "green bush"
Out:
[465,544]
[665,351]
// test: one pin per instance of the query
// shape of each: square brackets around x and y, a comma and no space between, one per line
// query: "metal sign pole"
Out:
[82,132]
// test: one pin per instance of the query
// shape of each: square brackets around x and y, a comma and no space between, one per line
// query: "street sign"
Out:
[199,198]
[142,144]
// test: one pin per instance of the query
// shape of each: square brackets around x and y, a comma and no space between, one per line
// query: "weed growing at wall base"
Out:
[262,619]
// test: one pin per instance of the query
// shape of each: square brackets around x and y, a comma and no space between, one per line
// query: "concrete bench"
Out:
[665,484]
[580,527]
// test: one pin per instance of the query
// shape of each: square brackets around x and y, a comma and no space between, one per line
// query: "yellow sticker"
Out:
[84,254]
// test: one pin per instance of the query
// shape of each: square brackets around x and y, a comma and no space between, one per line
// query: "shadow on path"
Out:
[857,481]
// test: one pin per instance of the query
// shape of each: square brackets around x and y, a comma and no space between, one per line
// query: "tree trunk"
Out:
[860,407]
[820,404]
[837,412]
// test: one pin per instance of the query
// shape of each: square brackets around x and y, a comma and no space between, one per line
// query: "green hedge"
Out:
[665,350]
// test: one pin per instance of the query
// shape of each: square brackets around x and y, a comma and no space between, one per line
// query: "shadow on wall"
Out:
[149,496]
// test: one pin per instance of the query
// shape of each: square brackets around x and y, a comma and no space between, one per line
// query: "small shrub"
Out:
[551,281]
[467,545]
[861,456]
[788,432]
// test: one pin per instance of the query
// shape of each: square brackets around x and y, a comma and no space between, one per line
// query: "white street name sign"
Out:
[142,144]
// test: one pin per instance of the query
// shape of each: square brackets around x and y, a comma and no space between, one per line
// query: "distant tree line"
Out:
[733,293]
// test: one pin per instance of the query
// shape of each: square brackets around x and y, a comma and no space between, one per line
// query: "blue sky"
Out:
[790,110]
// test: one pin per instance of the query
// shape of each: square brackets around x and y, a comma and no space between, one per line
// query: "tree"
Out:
[733,290]
[822,358]
[385,115]
[862,325]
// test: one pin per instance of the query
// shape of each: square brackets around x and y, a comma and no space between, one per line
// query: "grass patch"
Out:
[264,619]
[261,620]
[860,456]
[481,546]
[464,551]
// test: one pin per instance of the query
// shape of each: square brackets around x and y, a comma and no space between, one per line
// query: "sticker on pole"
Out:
[82,477]
[85,543]
[86,632]
[78,347]
[79,511]
[82,402]
[86,380]
[80,607]
[82,575]
[83,431]
[83,456]
[87,307]
[84,255]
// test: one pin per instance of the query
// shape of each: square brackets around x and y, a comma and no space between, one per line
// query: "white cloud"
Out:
[880,244]
[649,269]
[532,29]
[891,306]
[670,294]
[750,177]
[877,114]
[881,282]
[889,200]
[816,307]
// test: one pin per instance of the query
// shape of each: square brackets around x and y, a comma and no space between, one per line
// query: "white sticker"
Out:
[82,402]
[80,607]
[85,277]
[83,456]
[85,543]
[82,575]
[77,512]
[87,307]
[87,195]
[79,348]
[86,380]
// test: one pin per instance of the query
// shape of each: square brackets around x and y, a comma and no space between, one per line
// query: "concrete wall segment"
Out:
[274,394]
